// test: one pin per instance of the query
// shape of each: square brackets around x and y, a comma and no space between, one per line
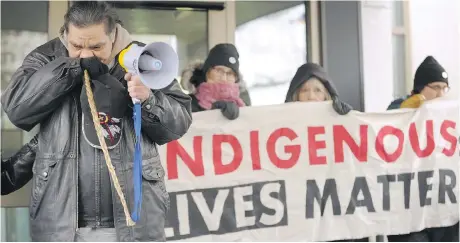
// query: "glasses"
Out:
[439,88]
[230,75]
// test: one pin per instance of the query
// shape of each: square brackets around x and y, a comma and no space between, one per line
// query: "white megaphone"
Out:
[157,64]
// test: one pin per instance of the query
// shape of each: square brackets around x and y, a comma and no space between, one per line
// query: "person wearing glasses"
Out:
[430,82]
[216,83]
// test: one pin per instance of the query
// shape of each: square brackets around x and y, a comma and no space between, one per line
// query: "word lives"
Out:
[226,210]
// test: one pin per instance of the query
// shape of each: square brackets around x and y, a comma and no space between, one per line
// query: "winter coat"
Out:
[313,70]
[17,169]
[303,74]
[44,91]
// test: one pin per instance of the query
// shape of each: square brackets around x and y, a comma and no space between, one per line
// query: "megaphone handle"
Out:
[135,101]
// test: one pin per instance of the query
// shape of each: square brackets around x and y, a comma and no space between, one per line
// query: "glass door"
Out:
[184,28]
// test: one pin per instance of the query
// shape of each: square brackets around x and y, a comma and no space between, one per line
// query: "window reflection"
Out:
[185,30]
[16,44]
[24,28]
[15,225]
[271,40]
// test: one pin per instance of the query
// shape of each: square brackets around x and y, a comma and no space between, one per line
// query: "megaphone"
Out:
[157,64]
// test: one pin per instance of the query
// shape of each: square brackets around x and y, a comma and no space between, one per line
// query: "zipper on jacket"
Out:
[97,187]
[77,153]
[98,175]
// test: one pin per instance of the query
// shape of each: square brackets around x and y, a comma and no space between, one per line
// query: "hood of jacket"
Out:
[194,71]
[122,40]
[304,73]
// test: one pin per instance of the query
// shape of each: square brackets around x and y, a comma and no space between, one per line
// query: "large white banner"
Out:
[301,172]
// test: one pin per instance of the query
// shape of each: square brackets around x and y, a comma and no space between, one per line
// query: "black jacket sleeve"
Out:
[340,106]
[38,86]
[17,170]
[166,114]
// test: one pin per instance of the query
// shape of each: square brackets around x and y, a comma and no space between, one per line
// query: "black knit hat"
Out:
[223,55]
[428,72]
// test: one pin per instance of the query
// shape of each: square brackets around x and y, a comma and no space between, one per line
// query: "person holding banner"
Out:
[73,198]
[430,82]
[217,83]
[311,84]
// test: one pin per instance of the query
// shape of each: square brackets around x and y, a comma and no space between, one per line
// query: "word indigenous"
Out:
[341,137]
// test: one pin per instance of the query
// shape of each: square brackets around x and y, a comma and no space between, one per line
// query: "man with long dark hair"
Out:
[73,198]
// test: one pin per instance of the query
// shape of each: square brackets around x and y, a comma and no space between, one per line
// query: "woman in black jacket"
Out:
[216,83]
[311,83]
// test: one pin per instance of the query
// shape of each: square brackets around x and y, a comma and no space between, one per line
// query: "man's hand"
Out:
[136,88]
[94,66]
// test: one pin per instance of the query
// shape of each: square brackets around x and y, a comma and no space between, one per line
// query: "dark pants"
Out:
[442,234]
[96,235]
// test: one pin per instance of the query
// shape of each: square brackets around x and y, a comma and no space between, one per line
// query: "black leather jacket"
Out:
[17,169]
[45,91]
